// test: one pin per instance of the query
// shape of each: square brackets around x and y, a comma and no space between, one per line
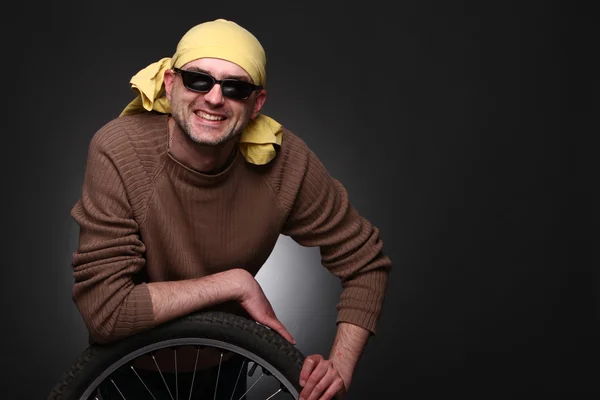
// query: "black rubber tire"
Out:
[224,330]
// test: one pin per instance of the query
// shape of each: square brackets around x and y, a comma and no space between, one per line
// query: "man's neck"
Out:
[204,159]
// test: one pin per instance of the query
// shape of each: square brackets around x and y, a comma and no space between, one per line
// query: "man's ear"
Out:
[261,97]
[168,79]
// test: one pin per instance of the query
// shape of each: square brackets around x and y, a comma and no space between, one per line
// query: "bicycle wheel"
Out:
[259,347]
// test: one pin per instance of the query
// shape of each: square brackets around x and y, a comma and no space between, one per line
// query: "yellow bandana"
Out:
[216,39]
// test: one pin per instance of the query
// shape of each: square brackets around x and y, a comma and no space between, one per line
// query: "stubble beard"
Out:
[188,129]
[225,137]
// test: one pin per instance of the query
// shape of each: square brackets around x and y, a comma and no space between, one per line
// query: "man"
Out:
[186,193]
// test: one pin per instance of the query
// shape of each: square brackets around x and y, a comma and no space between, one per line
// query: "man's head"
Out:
[212,112]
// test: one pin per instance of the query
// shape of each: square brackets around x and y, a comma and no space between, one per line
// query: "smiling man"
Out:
[186,193]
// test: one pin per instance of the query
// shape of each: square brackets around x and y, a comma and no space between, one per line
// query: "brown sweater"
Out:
[145,217]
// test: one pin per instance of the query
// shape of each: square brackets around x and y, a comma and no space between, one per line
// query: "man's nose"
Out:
[215,95]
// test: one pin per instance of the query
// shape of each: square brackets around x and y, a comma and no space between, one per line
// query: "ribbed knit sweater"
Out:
[145,217]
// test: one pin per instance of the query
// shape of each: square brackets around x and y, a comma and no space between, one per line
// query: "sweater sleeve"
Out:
[320,214]
[110,252]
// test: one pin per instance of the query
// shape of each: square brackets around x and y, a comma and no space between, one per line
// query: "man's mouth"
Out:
[209,117]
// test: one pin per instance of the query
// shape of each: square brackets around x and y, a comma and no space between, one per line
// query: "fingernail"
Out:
[302,383]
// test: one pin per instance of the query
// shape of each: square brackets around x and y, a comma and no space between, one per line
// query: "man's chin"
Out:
[211,140]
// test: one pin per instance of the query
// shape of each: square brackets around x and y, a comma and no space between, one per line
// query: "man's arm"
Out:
[178,298]
[318,212]
[175,299]
[348,346]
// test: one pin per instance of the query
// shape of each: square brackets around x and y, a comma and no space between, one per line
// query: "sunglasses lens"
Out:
[198,82]
[237,89]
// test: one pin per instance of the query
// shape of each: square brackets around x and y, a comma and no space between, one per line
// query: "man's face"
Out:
[210,118]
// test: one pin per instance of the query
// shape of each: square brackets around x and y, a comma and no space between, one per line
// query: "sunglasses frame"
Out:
[215,81]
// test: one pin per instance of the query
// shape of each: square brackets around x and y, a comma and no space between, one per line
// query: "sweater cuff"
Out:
[361,318]
[137,313]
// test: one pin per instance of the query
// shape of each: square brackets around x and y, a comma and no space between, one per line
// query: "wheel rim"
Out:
[286,388]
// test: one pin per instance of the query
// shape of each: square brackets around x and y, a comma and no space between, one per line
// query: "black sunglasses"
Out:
[202,83]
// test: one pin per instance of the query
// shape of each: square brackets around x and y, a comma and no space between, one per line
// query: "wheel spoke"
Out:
[163,378]
[143,383]
[238,379]
[273,395]
[176,384]
[218,374]
[116,387]
[250,388]
[194,374]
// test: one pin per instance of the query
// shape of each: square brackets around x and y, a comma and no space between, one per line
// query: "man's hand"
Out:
[255,302]
[321,380]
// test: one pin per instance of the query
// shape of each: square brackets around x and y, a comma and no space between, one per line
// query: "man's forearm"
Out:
[178,298]
[348,346]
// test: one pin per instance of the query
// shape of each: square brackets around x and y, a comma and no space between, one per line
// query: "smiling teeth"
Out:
[210,117]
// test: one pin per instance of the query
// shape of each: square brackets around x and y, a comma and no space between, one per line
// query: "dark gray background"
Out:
[449,124]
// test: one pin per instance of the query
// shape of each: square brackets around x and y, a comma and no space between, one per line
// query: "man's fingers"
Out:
[280,328]
[314,380]
[277,326]
[322,387]
[335,391]
[308,367]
